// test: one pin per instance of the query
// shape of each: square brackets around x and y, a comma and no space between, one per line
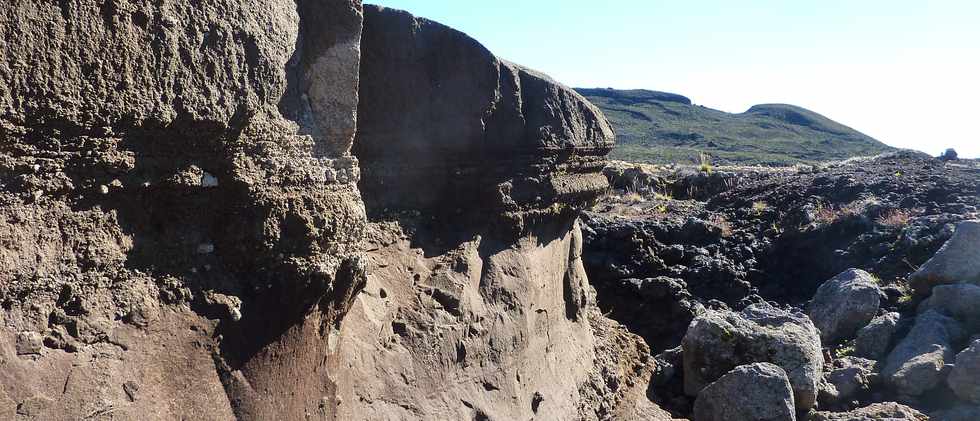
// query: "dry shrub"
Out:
[895,218]
[722,223]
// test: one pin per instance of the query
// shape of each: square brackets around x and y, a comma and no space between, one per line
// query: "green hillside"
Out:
[660,127]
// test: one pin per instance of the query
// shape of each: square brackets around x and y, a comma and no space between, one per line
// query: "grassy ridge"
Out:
[659,127]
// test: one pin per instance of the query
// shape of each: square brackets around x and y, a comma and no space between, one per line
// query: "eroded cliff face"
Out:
[151,187]
[183,232]
[477,305]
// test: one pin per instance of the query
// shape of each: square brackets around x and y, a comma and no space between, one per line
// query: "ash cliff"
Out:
[294,210]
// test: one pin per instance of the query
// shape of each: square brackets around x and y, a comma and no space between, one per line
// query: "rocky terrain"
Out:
[660,127]
[323,210]
[294,210]
[836,274]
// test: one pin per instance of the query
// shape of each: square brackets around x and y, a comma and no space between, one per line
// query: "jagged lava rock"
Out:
[759,391]
[916,364]
[888,411]
[844,304]
[958,261]
[873,341]
[718,341]
[964,379]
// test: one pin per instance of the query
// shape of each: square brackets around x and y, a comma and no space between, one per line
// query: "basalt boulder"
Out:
[889,411]
[959,301]
[874,340]
[964,379]
[718,341]
[758,391]
[958,261]
[916,365]
[844,304]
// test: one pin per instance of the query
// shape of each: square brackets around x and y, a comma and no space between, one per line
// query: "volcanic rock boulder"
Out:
[758,391]
[844,304]
[916,364]
[718,341]
[959,301]
[958,261]
[964,379]
[873,412]
[849,378]
[874,340]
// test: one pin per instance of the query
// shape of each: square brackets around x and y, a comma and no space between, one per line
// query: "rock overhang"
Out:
[445,127]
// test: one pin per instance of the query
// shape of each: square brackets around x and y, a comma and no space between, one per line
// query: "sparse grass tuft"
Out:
[896,218]
[704,163]
[722,223]
[759,207]
[829,214]
[844,351]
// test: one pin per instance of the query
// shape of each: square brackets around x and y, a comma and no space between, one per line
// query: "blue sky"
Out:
[904,72]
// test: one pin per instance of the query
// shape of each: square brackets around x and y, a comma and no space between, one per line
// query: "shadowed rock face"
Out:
[448,128]
[149,182]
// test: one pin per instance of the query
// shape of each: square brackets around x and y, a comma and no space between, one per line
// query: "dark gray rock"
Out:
[759,391]
[718,341]
[889,411]
[957,413]
[915,366]
[949,154]
[958,261]
[874,340]
[964,379]
[844,304]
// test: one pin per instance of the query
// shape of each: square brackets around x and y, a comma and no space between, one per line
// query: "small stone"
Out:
[132,390]
[228,304]
[852,376]
[205,248]
[29,343]
[104,189]
[34,406]
[208,180]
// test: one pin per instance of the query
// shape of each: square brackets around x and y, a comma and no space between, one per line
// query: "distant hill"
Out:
[660,127]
